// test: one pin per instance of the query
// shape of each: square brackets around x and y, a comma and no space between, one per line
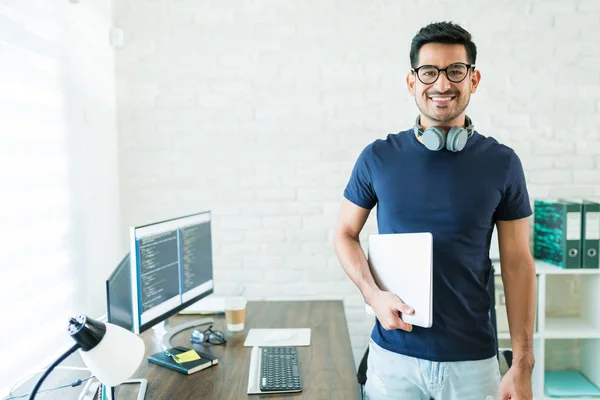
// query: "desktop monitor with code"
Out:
[171,268]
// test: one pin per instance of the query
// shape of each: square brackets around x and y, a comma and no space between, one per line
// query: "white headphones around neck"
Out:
[435,137]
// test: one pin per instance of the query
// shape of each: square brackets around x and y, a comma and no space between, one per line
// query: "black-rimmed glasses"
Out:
[455,73]
[208,335]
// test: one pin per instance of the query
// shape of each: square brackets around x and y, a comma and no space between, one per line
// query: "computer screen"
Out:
[171,267]
[118,295]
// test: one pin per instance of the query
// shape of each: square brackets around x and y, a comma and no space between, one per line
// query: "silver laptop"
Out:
[402,263]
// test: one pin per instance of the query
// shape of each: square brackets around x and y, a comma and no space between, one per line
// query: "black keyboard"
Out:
[279,370]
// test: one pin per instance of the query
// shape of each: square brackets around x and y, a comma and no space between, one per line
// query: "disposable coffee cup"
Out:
[235,313]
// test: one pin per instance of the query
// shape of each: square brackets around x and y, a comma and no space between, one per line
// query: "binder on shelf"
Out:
[590,234]
[557,232]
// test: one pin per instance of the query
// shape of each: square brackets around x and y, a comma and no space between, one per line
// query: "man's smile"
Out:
[442,100]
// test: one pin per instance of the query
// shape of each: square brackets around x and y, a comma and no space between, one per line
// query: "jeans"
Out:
[398,377]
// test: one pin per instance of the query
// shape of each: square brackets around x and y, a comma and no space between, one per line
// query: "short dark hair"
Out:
[442,32]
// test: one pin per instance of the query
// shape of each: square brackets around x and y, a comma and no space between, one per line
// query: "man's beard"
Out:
[460,108]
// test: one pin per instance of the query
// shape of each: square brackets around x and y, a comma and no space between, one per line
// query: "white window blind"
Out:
[36,270]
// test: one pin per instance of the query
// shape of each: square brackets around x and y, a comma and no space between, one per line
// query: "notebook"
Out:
[402,263]
[206,360]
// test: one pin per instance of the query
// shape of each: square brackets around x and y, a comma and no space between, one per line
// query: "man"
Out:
[457,191]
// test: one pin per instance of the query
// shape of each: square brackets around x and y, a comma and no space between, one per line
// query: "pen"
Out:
[173,356]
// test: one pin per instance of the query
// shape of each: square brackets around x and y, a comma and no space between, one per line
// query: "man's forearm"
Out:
[353,260]
[520,292]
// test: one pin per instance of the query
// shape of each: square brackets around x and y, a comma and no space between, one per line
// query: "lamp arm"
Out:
[51,367]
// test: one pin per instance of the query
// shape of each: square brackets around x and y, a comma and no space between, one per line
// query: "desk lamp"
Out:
[110,352]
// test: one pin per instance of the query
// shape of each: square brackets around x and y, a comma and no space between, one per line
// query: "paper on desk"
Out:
[278,337]
[253,380]
[187,356]
[208,305]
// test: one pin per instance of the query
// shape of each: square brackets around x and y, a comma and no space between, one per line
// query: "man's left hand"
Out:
[516,384]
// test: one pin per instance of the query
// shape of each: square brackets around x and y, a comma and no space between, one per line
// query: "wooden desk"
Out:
[327,367]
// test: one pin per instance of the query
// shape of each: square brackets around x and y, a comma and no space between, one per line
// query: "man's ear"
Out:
[475,79]
[410,83]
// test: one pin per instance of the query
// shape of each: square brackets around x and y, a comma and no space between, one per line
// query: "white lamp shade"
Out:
[116,357]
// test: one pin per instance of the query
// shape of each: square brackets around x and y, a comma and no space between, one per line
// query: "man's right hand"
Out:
[388,308]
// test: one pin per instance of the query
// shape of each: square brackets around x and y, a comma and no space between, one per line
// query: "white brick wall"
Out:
[258,109]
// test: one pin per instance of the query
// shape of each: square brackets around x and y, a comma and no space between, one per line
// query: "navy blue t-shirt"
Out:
[457,197]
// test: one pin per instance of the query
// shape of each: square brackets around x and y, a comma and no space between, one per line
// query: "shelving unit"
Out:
[563,339]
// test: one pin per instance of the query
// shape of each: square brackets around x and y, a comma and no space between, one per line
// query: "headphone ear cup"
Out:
[457,139]
[434,138]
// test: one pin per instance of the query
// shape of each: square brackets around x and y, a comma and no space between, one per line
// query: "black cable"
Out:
[75,383]
[60,359]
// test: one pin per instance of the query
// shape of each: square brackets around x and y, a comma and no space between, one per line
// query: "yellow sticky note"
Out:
[188,356]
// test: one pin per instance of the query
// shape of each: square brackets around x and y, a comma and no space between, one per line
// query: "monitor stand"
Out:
[169,332]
